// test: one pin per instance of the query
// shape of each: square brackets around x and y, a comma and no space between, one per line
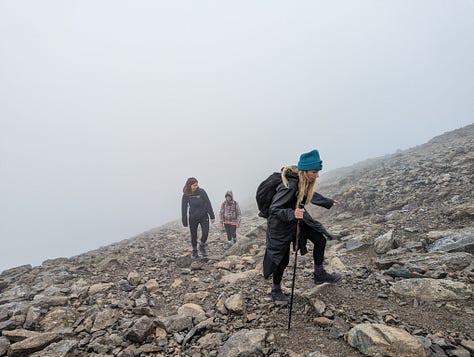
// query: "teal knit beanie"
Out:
[310,161]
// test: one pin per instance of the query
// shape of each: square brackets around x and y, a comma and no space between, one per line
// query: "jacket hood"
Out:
[229,193]
[289,172]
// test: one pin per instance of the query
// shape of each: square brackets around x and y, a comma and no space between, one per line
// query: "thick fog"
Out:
[106,107]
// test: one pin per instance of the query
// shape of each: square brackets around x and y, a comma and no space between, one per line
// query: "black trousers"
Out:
[280,269]
[193,228]
[319,242]
[231,231]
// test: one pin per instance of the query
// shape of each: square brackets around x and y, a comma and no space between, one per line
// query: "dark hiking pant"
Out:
[280,268]
[193,227]
[231,231]
[319,242]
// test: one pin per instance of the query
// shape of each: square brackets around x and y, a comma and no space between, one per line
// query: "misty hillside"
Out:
[425,188]
[404,243]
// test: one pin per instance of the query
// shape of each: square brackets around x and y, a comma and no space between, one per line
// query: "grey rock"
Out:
[48,301]
[437,351]
[32,317]
[357,245]
[339,328]
[3,285]
[141,329]
[433,289]
[212,340]
[469,345]
[244,343]
[5,313]
[427,262]
[125,285]
[403,273]
[33,344]
[19,335]
[189,335]
[319,305]
[57,349]
[459,352]
[15,293]
[13,323]
[457,242]
[15,273]
[384,243]
[175,323]
[184,261]
[104,319]
[235,303]
[4,345]
[382,340]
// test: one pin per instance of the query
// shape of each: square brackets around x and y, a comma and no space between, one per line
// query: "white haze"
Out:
[106,107]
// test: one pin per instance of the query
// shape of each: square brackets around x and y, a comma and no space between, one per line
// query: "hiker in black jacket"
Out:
[200,210]
[296,190]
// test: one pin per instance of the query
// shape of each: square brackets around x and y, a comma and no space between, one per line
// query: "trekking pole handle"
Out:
[300,207]
[298,229]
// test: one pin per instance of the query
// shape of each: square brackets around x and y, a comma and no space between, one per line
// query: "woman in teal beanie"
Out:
[286,209]
[310,161]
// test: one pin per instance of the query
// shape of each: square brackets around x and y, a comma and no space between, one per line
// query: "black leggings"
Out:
[231,231]
[280,269]
[193,227]
[319,242]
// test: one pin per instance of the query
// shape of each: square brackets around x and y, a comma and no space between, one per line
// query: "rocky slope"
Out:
[405,238]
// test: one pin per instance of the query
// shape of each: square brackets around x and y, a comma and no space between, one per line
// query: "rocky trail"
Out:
[404,244]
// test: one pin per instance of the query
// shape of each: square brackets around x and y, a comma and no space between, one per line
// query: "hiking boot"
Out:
[195,254]
[280,298]
[229,244]
[325,277]
[202,249]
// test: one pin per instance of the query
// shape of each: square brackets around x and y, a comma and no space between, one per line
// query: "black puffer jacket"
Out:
[282,222]
[199,206]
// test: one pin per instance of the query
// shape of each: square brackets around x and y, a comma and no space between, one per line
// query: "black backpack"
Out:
[265,192]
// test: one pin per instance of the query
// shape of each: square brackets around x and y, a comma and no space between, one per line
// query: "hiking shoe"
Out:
[325,277]
[280,298]
[195,254]
[229,244]
[202,249]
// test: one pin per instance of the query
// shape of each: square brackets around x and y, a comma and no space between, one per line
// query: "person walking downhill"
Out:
[296,190]
[196,201]
[229,216]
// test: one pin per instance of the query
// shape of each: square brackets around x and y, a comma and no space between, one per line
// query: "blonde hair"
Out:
[305,186]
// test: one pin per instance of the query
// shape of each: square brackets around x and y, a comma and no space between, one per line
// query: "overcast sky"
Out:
[106,107]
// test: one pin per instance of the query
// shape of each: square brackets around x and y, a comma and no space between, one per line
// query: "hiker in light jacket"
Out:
[229,216]
[196,201]
[296,189]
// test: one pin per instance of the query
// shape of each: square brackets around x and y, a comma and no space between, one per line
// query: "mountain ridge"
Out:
[404,243]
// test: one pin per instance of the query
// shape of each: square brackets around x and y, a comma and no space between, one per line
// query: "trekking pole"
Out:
[294,269]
